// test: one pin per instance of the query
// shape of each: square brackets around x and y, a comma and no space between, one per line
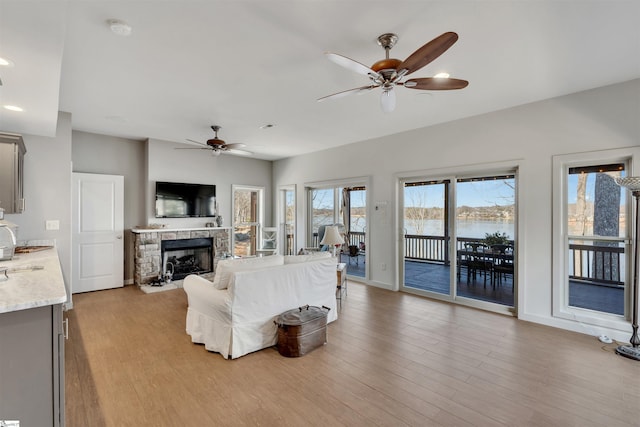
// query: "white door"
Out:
[98,222]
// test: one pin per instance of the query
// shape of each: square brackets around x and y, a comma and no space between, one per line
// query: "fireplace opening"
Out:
[187,256]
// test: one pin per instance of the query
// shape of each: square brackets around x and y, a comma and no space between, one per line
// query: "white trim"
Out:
[342,182]
[589,319]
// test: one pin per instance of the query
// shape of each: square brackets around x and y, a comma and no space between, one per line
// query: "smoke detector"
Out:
[119,28]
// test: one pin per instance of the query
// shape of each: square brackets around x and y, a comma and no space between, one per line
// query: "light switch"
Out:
[52,224]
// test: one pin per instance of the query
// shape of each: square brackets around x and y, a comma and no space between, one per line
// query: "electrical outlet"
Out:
[383,266]
[52,224]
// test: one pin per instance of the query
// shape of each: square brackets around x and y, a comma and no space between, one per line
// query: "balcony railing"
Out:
[601,262]
[355,238]
[600,265]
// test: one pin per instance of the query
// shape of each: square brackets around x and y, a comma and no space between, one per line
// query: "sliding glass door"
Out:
[343,205]
[485,226]
[426,236]
[459,237]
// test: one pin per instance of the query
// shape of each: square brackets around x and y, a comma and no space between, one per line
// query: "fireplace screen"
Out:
[187,256]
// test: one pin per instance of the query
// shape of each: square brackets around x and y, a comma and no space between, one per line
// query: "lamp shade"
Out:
[632,183]
[331,236]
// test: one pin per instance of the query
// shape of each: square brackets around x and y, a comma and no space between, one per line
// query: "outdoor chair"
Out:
[354,252]
[477,263]
[502,267]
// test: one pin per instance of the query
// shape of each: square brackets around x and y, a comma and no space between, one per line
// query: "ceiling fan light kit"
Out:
[388,73]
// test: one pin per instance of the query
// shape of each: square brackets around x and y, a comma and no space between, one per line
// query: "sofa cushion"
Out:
[312,256]
[226,267]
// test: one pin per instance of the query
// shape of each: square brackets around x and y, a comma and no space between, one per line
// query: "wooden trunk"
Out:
[301,330]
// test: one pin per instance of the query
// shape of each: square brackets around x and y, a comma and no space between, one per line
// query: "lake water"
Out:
[466,228]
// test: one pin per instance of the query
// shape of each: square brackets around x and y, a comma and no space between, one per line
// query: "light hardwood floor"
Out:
[392,359]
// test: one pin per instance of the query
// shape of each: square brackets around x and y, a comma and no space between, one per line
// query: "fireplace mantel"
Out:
[173,230]
[147,247]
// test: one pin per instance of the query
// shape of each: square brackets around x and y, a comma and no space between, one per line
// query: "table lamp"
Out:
[632,184]
[332,238]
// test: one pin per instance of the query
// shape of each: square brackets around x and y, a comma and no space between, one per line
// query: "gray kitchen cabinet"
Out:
[12,151]
[32,366]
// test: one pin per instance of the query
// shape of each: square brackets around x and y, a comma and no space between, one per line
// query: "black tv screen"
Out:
[181,200]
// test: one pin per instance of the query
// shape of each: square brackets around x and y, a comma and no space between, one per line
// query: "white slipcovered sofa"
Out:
[234,315]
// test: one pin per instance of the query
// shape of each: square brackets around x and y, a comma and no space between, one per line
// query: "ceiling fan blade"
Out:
[350,64]
[357,91]
[238,152]
[236,145]
[196,142]
[427,53]
[388,100]
[436,83]
[202,146]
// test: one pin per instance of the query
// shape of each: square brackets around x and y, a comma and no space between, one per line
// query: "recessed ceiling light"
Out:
[120,28]
[13,108]
[4,62]
[442,76]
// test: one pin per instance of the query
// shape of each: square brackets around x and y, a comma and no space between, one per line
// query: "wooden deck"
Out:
[434,277]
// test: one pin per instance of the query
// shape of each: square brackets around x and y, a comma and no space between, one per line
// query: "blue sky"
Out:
[477,193]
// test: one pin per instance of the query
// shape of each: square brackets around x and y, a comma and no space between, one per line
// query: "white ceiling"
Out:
[243,64]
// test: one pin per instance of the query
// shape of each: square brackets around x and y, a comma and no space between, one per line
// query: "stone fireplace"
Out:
[187,251]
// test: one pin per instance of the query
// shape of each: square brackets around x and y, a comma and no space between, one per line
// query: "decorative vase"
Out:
[219,221]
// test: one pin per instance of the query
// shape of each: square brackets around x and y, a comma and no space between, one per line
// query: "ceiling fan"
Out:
[218,146]
[389,72]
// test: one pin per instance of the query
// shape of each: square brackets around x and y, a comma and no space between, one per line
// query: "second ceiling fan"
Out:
[389,72]
[218,146]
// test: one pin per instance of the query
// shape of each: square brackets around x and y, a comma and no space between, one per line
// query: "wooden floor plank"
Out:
[392,359]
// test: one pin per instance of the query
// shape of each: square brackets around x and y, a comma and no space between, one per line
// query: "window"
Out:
[592,238]
[248,214]
[287,217]
[596,226]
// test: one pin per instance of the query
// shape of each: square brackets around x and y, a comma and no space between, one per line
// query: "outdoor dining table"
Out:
[479,259]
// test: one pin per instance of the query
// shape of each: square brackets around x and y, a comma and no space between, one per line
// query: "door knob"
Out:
[119,237]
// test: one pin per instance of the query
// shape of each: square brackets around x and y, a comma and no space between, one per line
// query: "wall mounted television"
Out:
[182,200]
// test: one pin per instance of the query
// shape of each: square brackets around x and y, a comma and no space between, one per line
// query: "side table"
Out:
[341,284]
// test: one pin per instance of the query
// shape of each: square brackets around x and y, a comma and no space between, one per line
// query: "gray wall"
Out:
[168,164]
[526,137]
[47,192]
[142,163]
[101,154]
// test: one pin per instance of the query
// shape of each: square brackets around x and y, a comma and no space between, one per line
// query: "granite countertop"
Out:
[35,280]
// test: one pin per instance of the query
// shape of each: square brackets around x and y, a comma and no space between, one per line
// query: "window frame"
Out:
[261,212]
[515,167]
[560,277]
[364,181]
